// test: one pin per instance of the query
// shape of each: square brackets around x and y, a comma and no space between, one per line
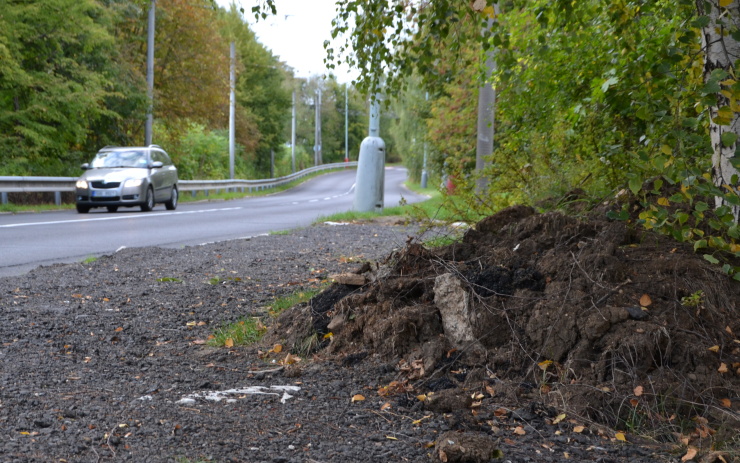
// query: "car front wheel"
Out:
[149,201]
[171,205]
[83,209]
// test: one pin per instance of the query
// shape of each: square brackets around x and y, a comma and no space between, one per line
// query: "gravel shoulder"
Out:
[105,361]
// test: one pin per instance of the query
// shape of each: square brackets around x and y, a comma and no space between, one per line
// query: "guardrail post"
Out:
[57,198]
[4,197]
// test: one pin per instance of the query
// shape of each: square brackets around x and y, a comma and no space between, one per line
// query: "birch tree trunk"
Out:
[721,51]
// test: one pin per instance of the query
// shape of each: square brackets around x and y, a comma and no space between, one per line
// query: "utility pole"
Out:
[150,76]
[317,136]
[424,175]
[370,181]
[232,108]
[346,123]
[292,139]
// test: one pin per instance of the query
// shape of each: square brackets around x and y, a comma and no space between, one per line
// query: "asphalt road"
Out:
[30,240]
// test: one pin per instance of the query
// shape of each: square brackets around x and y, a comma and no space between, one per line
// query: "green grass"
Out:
[89,260]
[281,232]
[283,303]
[15,208]
[243,332]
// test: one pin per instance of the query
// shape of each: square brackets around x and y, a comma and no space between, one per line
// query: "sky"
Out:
[296,35]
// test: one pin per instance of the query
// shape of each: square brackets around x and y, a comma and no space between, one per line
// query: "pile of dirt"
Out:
[629,329]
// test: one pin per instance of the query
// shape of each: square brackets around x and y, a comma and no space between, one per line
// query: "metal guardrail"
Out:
[59,185]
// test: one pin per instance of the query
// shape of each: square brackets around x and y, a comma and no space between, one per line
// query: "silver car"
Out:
[127,177]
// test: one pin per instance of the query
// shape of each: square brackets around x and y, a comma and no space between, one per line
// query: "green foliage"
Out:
[243,332]
[281,304]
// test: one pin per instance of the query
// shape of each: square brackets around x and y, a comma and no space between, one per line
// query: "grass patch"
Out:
[281,232]
[281,304]
[169,280]
[15,208]
[243,332]
[89,260]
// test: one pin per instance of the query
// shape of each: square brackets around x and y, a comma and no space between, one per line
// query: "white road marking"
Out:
[118,217]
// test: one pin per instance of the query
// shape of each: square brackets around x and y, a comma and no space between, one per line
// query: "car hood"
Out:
[114,175]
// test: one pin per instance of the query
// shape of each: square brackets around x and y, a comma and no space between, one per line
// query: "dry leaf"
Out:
[579,429]
[119,329]
[544,364]
[727,403]
[358,398]
[229,342]
[638,391]
[620,437]
[690,454]
[558,418]
[490,390]
[634,402]
[442,456]
[478,5]
[277,348]
[645,300]
[520,431]
[722,368]
[729,330]
[386,406]
[714,349]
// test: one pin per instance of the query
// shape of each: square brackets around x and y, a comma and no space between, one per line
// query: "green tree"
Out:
[54,80]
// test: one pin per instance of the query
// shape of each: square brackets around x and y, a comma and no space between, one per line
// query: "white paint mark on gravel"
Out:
[218,396]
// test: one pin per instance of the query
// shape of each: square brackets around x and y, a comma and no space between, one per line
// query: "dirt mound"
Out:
[627,329]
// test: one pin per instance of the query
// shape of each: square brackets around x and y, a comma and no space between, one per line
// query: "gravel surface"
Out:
[105,361]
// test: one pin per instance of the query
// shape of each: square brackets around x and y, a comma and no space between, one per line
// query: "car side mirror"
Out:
[85,166]
[156,165]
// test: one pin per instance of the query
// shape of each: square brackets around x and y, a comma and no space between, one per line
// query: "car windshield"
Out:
[132,158]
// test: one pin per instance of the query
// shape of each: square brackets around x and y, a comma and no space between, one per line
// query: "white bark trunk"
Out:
[721,52]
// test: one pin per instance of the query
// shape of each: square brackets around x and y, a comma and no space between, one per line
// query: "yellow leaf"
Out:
[422,397]
[722,368]
[391,437]
[638,391]
[663,202]
[645,300]
[190,323]
[724,3]
[25,433]
[666,149]
[558,418]
[714,349]
[620,437]
[277,348]
[727,403]
[358,398]
[690,454]
[329,335]
[544,364]
[229,342]
[579,429]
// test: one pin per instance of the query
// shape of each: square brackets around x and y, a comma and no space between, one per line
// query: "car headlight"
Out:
[134,182]
[81,184]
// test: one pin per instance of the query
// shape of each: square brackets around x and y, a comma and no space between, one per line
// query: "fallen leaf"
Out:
[479,5]
[490,390]
[119,329]
[386,406]
[558,418]
[634,402]
[544,364]
[520,431]
[727,403]
[277,348]
[714,349]
[722,368]
[579,429]
[690,454]
[391,437]
[229,342]
[729,330]
[500,412]
[358,398]
[638,391]
[620,437]
[645,300]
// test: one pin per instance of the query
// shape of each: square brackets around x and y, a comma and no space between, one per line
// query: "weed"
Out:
[169,279]
[90,260]
[215,281]
[282,303]
[243,332]
[439,241]
[695,300]
[281,232]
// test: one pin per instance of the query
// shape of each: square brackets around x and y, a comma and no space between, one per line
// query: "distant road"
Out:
[30,240]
